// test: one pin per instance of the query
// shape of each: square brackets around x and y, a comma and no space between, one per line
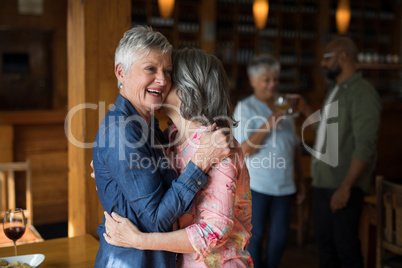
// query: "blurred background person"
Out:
[272,151]
[343,174]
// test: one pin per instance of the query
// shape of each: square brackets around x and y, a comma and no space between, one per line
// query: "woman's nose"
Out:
[161,78]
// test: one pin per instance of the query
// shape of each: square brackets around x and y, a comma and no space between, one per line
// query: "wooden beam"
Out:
[94,28]
[6,143]
[32,117]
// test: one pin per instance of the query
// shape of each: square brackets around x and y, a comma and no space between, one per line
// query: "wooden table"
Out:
[79,251]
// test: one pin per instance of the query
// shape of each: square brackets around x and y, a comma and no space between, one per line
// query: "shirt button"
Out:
[198,182]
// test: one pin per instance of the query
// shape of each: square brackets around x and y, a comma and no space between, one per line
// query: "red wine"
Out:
[14,233]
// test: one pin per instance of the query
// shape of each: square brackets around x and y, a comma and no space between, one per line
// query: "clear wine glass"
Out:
[293,101]
[14,225]
[282,104]
[288,104]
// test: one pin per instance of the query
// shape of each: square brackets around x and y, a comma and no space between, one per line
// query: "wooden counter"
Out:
[79,251]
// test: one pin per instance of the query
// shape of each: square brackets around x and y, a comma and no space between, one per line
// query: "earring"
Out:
[121,86]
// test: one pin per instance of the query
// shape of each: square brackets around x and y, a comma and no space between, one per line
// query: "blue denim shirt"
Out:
[135,179]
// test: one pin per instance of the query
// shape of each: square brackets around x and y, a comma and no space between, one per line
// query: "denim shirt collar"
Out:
[128,109]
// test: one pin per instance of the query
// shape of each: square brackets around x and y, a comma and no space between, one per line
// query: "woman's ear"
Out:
[119,72]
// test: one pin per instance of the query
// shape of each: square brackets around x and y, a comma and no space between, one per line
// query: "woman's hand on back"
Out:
[121,232]
[215,145]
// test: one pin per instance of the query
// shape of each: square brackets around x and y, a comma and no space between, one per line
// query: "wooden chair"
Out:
[389,223]
[8,200]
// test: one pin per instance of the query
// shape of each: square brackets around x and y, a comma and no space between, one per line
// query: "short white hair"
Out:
[139,41]
[262,63]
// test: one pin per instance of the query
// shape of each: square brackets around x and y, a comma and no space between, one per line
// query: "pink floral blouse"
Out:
[219,222]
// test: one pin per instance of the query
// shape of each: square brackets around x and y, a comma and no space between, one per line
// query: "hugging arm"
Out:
[123,233]
[122,173]
[212,230]
[142,185]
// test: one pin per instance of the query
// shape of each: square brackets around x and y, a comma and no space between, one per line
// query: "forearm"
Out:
[175,202]
[341,196]
[156,208]
[355,169]
[250,146]
[176,241]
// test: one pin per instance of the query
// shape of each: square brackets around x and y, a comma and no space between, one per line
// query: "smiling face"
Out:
[147,83]
[265,85]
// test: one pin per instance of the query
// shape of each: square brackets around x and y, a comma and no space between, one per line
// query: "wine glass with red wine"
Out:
[14,225]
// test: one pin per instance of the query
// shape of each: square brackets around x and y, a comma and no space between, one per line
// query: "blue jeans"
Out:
[275,210]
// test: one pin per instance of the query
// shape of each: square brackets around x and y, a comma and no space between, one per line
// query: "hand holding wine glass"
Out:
[294,102]
[14,225]
[282,104]
[288,104]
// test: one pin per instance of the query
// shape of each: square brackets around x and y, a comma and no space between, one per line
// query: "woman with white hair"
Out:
[133,177]
[216,230]
[272,152]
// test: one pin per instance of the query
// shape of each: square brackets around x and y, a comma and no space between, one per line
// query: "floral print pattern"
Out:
[219,222]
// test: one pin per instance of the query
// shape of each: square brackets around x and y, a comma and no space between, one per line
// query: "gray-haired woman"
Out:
[133,177]
[272,156]
[216,230]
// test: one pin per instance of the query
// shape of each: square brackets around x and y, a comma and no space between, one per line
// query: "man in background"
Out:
[343,162]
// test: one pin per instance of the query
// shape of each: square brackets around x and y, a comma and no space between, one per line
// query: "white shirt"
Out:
[322,127]
[271,167]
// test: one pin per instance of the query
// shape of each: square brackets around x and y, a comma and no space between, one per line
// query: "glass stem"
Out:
[15,247]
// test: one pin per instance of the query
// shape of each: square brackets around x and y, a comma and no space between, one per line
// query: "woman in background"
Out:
[272,152]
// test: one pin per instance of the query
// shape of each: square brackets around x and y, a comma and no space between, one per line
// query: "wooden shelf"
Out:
[295,34]
[379,66]
[36,117]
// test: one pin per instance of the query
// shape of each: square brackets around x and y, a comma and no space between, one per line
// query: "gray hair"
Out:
[202,87]
[262,63]
[139,41]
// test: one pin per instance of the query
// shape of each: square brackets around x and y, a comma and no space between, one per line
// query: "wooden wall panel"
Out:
[94,28]
[6,143]
[46,146]
[52,20]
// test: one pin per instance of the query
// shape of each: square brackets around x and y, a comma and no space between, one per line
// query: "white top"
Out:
[322,129]
[271,167]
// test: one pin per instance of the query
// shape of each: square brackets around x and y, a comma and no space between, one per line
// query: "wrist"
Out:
[267,125]
[204,166]
[143,241]
[345,187]
[203,163]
